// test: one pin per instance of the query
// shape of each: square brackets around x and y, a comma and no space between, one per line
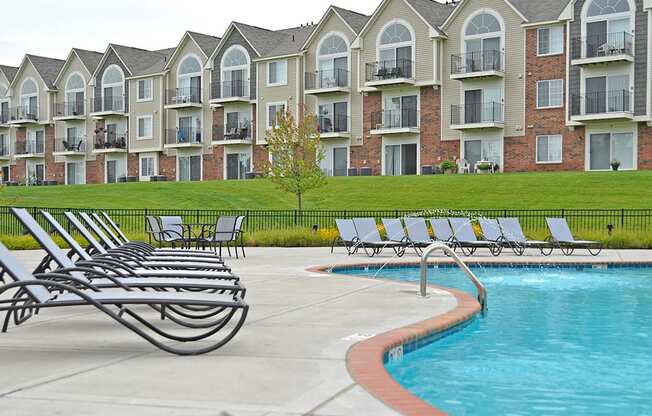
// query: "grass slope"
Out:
[516,191]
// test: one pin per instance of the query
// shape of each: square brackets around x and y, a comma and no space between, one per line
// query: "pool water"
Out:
[555,340]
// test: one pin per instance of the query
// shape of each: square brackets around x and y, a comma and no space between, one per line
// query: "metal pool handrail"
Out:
[482,292]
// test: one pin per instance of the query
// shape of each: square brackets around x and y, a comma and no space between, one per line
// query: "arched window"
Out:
[28,88]
[112,89]
[189,78]
[483,43]
[333,62]
[235,72]
[75,87]
[608,27]
[395,43]
[29,98]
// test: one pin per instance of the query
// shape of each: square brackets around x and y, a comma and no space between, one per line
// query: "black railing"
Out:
[332,78]
[336,123]
[230,89]
[70,109]
[240,131]
[476,113]
[601,102]
[184,95]
[70,144]
[132,221]
[602,45]
[479,61]
[108,141]
[183,135]
[388,70]
[24,112]
[395,119]
[108,103]
[30,147]
[4,148]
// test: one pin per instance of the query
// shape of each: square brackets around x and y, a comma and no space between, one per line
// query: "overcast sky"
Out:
[52,27]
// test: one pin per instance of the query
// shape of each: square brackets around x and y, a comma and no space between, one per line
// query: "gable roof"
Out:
[540,10]
[354,19]
[431,12]
[47,68]
[90,59]
[140,61]
[290,41]
[206,43]
[9,71]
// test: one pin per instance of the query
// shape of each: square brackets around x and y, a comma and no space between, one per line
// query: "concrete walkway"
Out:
[289,359]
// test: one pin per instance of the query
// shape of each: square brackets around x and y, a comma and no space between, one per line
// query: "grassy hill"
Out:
[516,191]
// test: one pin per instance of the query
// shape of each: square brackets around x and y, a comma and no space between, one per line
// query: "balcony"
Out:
[602,105]
[186,97]
[602,49]
[5,153]
[108,106]
[333,126]
[395,122]
[395,72]
[75,110]
[30,149]
[479,64]
[71,146]
[4,117]
[477,116]
[327,81]
[230,92]
[183,137]
[110,142]
[240,134]
[23,115]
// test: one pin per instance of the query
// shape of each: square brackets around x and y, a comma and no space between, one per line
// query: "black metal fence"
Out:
[132,221]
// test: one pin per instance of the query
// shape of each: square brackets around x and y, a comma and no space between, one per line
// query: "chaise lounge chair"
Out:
[516,239]
[370,240]
[562,237]
[466,239]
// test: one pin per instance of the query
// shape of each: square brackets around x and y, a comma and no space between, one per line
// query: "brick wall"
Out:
[369,154]
[95,170]
[520,152]
[54,171]
[132,164]
[644,146]
[167,166]
[18,171]
[433,149]
[212,169]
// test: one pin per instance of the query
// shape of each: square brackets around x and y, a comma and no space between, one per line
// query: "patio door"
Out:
[195,89]
[596,37]
[111,171]
[232,166]
[340,161]
[473,152]
[401,159]
[111,133]
[393,160]
[472,106]
[409,159]
[32,111]
[341,71]
[596,95]
[232,123]
[5,174]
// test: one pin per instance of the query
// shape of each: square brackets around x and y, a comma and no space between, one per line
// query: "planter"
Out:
[426,170]
[449,171]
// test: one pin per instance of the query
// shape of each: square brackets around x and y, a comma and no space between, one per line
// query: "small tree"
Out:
[295,154]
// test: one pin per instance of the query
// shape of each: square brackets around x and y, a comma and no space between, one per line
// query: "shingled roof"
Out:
[354,19]
[540,10]
[207,43]
[433,12]
[90,59]
[9,71]
[140,61]
[47,68]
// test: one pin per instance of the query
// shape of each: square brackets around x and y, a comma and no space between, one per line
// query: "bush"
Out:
[298,237]
[448,165]
[27,242]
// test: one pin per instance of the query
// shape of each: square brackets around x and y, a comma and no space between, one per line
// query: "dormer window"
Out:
[235,72]
[483,43]
[189,79]
[113,89]
[74,101]
[29,99]
[608,27]
[395,47]
[333,62]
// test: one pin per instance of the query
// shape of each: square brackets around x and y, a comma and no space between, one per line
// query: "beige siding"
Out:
[146,108]
[188,47]
[88,125]
[282,93]
[28,71]
[335,24]
[423,49]
[514,81]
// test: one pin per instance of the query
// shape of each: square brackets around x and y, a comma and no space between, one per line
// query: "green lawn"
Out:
[516,191]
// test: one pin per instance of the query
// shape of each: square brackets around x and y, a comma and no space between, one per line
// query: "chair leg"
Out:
[242,246]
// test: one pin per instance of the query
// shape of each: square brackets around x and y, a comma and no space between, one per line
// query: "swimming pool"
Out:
[556,340]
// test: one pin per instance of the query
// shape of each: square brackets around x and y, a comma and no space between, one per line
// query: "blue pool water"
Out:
[556,340]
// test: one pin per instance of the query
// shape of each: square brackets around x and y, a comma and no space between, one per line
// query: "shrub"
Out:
[298,237]
[448,165]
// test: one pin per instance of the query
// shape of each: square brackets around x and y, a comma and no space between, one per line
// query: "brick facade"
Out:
[520,152]
[95,170]
[132,164]
[54,171]
[19,170]
[167,166]
[433,149]
[369,154]
[644,146]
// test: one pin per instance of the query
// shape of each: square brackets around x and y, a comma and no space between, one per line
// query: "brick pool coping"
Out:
[365,359]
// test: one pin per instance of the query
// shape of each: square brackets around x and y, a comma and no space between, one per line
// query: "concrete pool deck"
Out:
[289,358]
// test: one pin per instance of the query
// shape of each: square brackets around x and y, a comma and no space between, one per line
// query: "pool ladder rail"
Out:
[482,292]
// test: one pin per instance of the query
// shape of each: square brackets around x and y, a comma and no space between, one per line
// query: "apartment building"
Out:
[528,86]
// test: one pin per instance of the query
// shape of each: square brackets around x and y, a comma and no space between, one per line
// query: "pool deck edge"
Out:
[365,359]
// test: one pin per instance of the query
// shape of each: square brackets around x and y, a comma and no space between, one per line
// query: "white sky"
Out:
[52,27]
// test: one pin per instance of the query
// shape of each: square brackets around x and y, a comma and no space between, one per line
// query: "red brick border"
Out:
[364,360]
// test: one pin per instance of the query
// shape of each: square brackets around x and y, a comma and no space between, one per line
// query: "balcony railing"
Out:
[603,45]
[109,141]
[70,144]
[395,119]
[184,95]
[230,89]
[475,113]
[30,147]
[183,135]
[332,78]
[388,70]
[4,148]
[478,61]
[601,102]
[70,109]
[23,112]
[114,104]
[4,117]
[240,132]
[337,123]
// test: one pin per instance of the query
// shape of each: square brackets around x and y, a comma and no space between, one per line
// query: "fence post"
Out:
[622,218]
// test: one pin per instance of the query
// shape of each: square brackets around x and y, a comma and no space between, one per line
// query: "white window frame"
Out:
[151,127]
[394,46]
[188,155]
[284,62]
[152,156]
[74,90]
[561,150]
[550,29]
[550,81]
[246,67]
[611,133]
[149,81]
[189,74]
[80,162]
[331,57]
[267,120]
[24,98]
